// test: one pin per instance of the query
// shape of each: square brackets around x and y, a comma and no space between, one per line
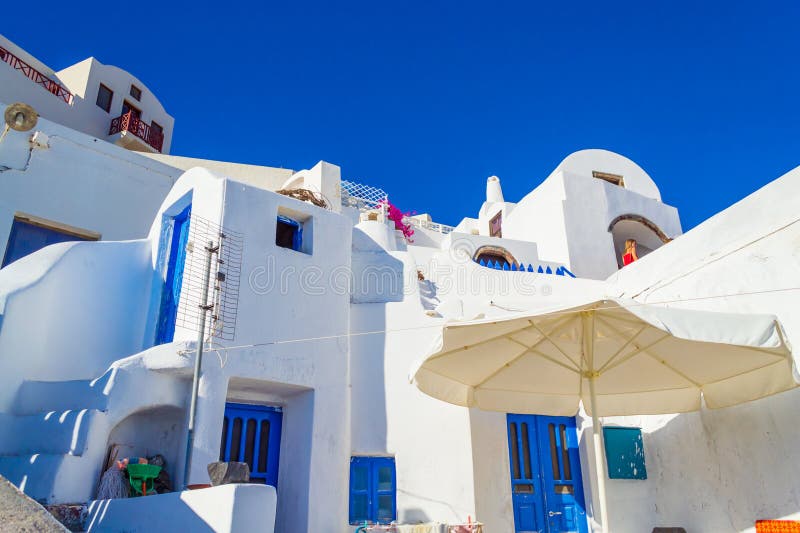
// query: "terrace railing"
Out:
[433,226]
[362,196]
[35,76]
[131,123]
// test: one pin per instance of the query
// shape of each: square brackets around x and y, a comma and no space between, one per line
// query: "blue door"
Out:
[176,259]
[526,478]
[252,434]
[546,488]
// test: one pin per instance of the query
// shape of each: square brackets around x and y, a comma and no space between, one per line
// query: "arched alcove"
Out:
[495,254]
[647,234]
[156,430]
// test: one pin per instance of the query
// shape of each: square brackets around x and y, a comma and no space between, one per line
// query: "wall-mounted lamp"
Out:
[19,117]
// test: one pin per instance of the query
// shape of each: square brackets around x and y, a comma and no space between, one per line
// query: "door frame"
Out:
[173,244]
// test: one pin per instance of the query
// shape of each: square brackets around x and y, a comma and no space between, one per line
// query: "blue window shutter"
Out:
[385,490]
[624,453]
[360,502]
[373,490]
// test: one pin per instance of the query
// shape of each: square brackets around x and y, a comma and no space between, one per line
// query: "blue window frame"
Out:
[28,236]
[289,233]
[252,434]
[373,490]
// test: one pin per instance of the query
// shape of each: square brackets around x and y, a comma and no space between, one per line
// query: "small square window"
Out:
[289,233]
[624,453]
[294,230]
[136,92]
[373,490]
[104,98]
[496,225]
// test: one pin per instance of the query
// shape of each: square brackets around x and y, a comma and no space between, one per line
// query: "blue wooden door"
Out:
[526,479]
[561,474]
[252,434]
[546,489]
[174,278]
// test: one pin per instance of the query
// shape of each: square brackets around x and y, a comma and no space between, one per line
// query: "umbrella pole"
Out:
[588,346]
[598,457]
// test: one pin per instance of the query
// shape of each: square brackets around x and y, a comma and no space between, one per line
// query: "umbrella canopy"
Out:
[618,357]
[643,359]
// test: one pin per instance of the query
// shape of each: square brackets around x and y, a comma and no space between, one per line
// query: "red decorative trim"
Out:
[35,76]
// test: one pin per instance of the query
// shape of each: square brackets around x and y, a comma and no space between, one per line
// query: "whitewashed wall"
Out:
[720,470]
[83,80]
[79,181]
[284,297]
[568,215]
[330,336]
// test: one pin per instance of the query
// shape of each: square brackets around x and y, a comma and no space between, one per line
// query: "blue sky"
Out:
[428,99]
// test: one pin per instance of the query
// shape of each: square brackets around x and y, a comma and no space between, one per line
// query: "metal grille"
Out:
[223,287]
[361,196]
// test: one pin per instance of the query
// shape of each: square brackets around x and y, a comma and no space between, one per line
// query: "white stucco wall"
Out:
[83,80]
[63,309]
[568,215]
[330,335]
[290,346]
[223,509]
[539,217]
[15,87]
[720,470]
[269,178]
[584,162]
[592,205]
[79,181]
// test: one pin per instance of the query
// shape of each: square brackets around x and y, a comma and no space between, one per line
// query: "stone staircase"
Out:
[45,439]
[54,441]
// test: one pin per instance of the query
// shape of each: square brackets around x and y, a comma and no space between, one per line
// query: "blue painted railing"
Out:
[513,267]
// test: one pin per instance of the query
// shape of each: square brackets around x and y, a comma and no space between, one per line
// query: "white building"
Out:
[65,186]
[100,100]
[317,317]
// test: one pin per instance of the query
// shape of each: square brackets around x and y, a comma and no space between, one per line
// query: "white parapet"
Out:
[223,509]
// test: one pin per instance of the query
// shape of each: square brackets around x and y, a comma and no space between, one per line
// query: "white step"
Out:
[55,432]
[44,396]
[34,475]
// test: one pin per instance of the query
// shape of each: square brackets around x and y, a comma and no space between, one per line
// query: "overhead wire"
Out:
[441,324]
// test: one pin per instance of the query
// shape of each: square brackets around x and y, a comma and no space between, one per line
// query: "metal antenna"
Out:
[198,360]
[196,302]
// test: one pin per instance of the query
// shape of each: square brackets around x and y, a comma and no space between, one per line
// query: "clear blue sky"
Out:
[428,99]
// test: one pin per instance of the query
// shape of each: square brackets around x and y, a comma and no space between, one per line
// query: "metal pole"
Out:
[198,361]
[597,437]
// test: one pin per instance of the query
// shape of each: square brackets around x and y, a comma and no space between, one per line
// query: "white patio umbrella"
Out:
[618,357]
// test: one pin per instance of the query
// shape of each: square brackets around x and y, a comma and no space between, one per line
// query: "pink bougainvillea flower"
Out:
[397,216]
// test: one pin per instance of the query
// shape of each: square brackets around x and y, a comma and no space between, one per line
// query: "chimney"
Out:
[493,191]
